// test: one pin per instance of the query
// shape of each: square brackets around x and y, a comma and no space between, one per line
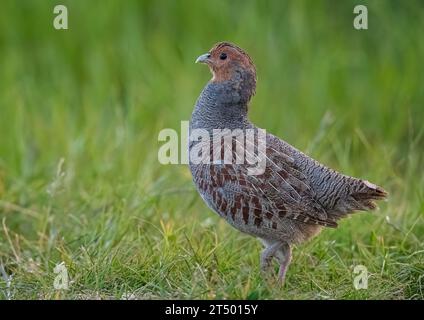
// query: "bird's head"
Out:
[229,63]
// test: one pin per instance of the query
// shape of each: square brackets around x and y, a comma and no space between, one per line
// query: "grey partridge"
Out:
[293,197]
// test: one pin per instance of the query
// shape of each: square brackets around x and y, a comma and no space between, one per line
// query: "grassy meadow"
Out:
[80,113]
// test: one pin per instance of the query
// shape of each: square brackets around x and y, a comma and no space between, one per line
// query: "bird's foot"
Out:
[284,257]
[266,257]
[282,252]
[282,274]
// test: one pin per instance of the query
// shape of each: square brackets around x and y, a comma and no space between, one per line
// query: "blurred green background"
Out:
[96,95]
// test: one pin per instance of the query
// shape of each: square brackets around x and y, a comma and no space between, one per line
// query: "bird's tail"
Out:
[365,194]
[360,196]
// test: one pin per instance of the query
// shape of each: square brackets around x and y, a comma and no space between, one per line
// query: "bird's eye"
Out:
[223,56]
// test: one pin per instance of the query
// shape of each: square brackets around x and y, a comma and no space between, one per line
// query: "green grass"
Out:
[97,95]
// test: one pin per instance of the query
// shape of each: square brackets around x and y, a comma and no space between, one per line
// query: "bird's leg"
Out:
[267,254]
[284,256]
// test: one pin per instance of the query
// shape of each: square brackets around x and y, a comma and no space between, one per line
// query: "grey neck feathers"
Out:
[223,105]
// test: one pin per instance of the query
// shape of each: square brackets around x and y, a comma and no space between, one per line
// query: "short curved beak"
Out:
[204,58]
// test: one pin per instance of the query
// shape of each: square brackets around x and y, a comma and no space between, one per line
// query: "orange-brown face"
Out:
[225,60]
